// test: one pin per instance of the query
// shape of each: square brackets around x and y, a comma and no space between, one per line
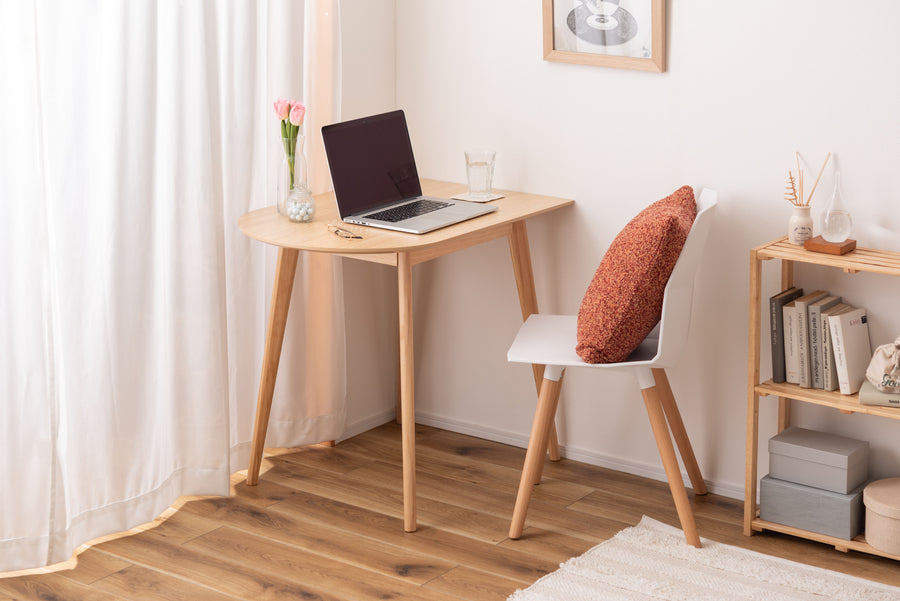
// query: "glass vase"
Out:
[294,199]
[800,225]
[836,222]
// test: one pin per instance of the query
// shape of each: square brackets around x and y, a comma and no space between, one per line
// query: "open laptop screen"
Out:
[371,162]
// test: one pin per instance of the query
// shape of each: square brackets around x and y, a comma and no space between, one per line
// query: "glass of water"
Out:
[480,171]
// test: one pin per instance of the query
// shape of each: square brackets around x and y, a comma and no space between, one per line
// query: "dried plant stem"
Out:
[799,177]
[790,193]
[813,191]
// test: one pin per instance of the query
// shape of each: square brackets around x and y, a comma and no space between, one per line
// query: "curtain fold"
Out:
[133,311]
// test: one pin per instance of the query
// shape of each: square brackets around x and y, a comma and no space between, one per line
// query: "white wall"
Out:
[744,89]
[370,290]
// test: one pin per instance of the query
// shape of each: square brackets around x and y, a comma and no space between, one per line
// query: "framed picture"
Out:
[628,34]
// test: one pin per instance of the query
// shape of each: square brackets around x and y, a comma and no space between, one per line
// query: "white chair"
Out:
[550,340]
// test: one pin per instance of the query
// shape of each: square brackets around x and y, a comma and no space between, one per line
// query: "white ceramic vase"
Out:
[800,225]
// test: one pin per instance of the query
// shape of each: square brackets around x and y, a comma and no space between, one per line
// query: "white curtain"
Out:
[132,310]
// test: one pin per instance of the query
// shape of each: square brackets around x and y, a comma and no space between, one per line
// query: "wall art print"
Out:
[628,34]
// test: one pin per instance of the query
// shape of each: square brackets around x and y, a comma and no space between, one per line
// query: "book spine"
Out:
[815,347]
[776,322]
[840,358]
[829,379]
[801,318]
[857,348]
[882,399]
[790,349]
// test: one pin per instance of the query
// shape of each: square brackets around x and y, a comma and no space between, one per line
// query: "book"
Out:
[802,317]
[816,350]
[852,349]
[791,367]
[869,395]
[829,377]
[776,326]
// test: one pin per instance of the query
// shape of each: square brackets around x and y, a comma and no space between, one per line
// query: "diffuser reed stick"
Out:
[794,195]
[813,191]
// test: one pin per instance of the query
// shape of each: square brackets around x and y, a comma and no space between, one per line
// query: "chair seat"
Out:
[551,339]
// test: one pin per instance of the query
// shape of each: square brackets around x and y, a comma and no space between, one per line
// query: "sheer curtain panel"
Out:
[132,310]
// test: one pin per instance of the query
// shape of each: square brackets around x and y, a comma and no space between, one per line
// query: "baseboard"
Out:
[364,425]
[577,454]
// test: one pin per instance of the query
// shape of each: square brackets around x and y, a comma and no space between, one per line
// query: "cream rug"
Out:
[652,561]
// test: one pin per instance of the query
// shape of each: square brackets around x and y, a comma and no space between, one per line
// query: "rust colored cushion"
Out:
[624,300]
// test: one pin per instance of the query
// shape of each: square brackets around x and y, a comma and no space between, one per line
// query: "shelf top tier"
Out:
[861,259]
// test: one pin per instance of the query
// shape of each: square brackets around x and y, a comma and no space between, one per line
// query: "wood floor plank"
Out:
[387,497]
[475,553]
[346,547]
[307,568]
[330,459]
[473,585]
[498,503]
[440,462]
[265,492]
[225,574]
[90,567]
[142,583]
[554,546]
[178,530]
[52,587]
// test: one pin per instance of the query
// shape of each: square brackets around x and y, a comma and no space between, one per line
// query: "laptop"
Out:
[375,179]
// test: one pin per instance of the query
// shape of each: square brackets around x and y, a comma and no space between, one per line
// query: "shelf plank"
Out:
[848,403]
[862,259]
[857,544]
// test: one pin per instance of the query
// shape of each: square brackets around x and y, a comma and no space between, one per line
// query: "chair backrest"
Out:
[679,295]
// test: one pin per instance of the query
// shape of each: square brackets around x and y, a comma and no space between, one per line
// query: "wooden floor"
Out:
[326,523]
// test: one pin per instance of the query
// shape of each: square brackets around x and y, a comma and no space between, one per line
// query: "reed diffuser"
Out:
[800,225]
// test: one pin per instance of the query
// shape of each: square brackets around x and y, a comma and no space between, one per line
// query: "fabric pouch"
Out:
[884,369]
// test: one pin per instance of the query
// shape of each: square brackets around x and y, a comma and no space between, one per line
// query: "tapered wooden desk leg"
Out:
[670,463]
[679,433]
[407,390]
[285,269]
[521,261]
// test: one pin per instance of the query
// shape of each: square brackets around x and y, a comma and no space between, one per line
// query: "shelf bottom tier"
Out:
[857,544]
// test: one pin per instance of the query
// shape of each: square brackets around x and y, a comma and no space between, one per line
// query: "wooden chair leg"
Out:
[534,456]
[673,416]
[670,463]
[553,442]
[553,448]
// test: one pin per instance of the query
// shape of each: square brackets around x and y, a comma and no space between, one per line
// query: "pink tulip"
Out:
[282,107]
[298,111]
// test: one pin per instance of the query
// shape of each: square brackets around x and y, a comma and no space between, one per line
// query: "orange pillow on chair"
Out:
[623,303]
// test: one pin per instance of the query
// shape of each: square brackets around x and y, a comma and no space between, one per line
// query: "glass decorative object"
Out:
[294,198]
[836,222]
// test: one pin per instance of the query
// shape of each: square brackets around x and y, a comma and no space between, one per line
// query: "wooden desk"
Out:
[401,251]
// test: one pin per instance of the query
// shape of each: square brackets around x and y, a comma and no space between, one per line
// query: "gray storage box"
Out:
[812,509]
[820,460]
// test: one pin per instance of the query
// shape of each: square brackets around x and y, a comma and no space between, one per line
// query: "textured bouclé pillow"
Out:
[624,300]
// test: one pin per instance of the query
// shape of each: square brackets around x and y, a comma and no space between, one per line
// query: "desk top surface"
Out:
[267,226]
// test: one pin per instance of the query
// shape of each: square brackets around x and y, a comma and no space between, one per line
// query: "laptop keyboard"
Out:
[409,210]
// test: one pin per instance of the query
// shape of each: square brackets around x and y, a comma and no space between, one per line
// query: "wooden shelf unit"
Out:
[861,259]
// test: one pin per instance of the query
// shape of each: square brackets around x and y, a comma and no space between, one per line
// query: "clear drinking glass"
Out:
[480,171]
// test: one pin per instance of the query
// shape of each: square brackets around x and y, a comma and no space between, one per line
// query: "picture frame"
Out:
[624,34]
